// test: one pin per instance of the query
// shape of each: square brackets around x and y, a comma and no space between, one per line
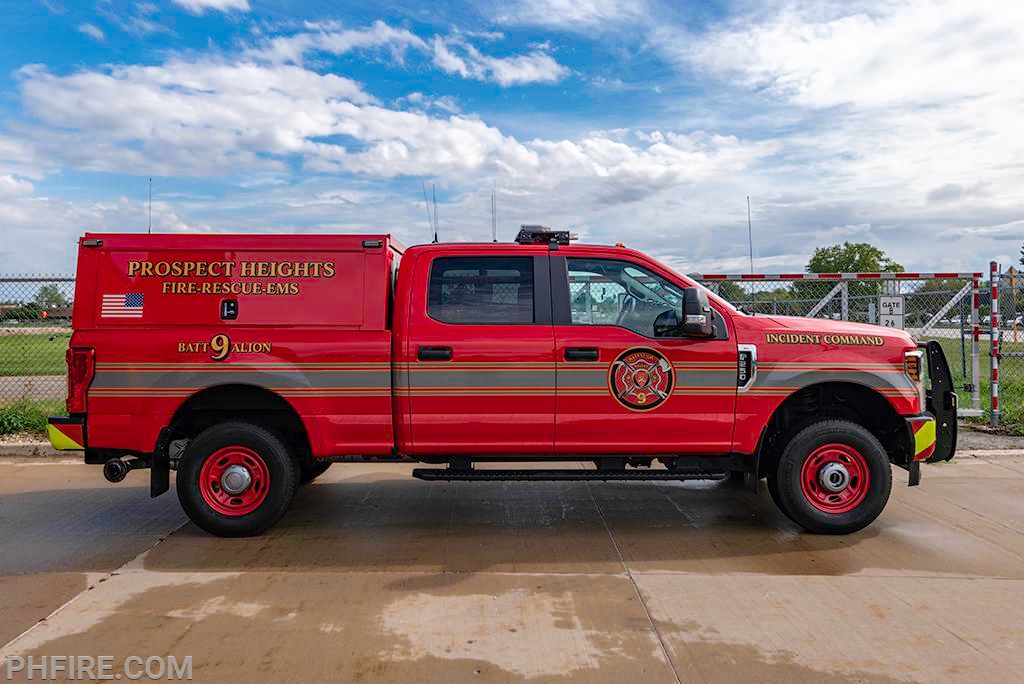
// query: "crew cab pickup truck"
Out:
[249,364]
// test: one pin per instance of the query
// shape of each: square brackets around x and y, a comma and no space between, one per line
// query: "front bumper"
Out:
[66,434]
[940,403]
[931,436]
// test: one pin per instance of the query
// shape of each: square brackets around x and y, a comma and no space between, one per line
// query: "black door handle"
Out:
[581,354]
[434,354]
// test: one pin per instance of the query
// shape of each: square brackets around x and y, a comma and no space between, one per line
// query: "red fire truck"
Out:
[249,364]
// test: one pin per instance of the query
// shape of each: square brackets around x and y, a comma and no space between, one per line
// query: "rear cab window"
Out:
[482,290]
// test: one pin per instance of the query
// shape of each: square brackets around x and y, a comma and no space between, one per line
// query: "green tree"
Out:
[50,296]
[1021,255]
[730,292]
[851,257]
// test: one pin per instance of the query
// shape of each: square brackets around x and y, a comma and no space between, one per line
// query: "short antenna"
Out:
[149,230]
[433,189]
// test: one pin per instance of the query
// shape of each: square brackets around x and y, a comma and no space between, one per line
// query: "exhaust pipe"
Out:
[115,470]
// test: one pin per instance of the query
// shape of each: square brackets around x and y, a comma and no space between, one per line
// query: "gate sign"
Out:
[890,311]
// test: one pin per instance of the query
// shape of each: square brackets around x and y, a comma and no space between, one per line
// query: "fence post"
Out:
[993,320]
[845,294]
[975,344]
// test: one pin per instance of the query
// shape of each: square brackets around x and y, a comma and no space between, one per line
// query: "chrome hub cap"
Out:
[235,480]
[834,477]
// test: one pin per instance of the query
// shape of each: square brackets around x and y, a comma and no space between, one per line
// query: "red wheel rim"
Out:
[225,471]
[835,478]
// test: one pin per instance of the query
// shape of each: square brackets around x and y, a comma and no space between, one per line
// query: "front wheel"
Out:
[833,477]
[236,479]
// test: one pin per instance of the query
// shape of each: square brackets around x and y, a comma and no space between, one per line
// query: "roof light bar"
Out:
[542,235]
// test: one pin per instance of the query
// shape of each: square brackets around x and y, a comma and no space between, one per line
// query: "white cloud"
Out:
[573,15]
[92,31]
[903,53]
[208,118]
[331,38]
[453,54]
[535,67]
[20,158]
[201,6]
[40,233]
[183,116]
[423,102]
[11,186]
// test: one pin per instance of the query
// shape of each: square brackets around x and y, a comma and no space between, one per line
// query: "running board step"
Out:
[492,475]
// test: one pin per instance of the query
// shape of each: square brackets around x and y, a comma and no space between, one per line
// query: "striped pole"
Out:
[975,344]
[993,275]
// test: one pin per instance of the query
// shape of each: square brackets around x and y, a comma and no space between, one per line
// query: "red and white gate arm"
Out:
[834,276]
[993,320]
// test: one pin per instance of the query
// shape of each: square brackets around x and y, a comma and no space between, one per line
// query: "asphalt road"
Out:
[377,577]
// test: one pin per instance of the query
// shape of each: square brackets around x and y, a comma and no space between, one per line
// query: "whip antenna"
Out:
[750,236]
[494,211]
[433,189]
[426,205]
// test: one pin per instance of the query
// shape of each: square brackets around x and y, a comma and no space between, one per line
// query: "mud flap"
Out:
[160,467]
[914,468]
[941,402]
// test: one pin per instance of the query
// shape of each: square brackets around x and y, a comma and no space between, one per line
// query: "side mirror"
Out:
[668,323]
[697,319]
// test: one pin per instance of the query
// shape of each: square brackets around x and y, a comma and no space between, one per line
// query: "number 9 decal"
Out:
[220,347]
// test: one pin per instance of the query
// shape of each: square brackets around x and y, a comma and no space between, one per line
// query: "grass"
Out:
[1011,374]
[28,415]
[33,353]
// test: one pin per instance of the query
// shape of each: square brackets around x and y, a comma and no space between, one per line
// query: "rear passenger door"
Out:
[479,367]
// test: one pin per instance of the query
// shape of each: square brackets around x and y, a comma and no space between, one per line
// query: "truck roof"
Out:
[283,241]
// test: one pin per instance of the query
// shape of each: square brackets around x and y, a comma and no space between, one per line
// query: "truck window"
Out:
[610,292]
[481,290]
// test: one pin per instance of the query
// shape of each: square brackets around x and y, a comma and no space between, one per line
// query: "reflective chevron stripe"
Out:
[923,428]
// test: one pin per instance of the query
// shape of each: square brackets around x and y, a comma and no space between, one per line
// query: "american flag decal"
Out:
[127,305]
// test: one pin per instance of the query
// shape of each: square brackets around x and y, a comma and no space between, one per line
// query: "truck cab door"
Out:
[478,369]
[625,384]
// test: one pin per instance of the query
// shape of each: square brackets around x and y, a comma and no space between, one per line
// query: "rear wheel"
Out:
[236,479]
[833,477]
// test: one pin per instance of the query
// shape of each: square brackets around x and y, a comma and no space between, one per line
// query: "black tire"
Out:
[312,469]
[867,453]
[773,490]
[281,469]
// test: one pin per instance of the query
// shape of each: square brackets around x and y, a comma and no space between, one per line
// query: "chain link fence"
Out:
[35,326]
[1004,323]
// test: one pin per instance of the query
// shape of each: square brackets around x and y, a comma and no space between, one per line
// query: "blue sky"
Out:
[644,122]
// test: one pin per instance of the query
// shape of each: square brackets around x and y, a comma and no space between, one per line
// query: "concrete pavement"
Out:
[374,576]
